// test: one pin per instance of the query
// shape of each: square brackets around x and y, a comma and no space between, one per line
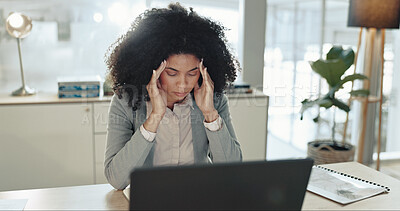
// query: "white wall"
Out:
[252,40]
[393,142]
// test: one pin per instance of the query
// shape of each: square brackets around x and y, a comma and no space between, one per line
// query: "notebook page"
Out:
[340,188]
[126,192]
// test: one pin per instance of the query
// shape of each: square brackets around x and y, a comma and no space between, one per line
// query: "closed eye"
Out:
[193,73]
[171,74]
[171,71]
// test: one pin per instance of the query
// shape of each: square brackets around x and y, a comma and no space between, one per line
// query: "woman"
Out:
[169,71]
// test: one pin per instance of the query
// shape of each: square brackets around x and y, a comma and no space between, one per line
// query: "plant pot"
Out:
[325,151]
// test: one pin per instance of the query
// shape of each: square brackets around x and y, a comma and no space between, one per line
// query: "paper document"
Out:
[340,187]
[127,192]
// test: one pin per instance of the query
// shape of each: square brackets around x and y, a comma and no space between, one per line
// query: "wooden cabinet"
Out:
[99,147]
[249,118]
[47,145]
[100,113]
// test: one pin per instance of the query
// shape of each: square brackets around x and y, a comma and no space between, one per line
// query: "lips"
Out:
[180,94]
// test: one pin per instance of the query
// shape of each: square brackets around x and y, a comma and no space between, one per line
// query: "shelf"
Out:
[46,98]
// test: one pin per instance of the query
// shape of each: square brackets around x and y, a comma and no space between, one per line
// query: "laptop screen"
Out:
[273,185]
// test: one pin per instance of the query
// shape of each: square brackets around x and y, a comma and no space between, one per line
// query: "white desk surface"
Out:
[104,197]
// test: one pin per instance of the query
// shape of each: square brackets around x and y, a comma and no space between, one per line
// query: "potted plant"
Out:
[332,69]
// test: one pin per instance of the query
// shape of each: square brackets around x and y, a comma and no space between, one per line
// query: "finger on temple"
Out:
[196,86]
[161,68]
[201,69]
[158,84]
[208,75]
[153,77]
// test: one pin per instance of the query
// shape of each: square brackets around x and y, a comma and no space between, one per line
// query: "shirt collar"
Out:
[187,101]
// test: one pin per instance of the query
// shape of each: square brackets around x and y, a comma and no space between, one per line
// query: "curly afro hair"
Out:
[158,33]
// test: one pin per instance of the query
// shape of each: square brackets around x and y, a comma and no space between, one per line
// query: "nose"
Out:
[181,83]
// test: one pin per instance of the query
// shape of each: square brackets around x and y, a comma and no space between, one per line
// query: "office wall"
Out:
[252,40]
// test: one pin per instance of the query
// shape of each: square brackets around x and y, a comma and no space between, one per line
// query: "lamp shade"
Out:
[18,25]
[379,14]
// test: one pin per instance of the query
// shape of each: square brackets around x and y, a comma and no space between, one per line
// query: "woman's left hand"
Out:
[204,95]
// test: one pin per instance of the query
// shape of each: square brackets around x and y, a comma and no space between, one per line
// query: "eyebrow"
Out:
[178,70]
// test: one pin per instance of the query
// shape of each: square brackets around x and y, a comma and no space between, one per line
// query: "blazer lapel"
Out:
[198,134]
[140,115]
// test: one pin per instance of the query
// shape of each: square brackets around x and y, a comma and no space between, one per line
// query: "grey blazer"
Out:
[127,148]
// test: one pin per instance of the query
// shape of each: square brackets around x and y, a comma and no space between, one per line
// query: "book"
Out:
[78,94]
[79,86]
[341,187]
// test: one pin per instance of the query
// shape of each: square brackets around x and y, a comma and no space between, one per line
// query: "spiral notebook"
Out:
[341,187]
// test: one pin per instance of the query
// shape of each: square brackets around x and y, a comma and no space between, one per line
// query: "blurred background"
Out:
[71,37]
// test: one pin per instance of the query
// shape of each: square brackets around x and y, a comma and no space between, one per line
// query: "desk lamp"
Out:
[376,16]
[19,26]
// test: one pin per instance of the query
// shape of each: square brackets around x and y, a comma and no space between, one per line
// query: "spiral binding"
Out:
[353,177]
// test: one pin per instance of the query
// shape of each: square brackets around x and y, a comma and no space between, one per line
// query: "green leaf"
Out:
[330,70]
[325,102]
[334,52]
[348,57]
[336,64]
[341,105]
[360,92]
[321,102]
[354,77]
[337,52]
[348,78]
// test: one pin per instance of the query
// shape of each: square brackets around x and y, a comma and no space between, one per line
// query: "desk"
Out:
[104,197]
[87,197]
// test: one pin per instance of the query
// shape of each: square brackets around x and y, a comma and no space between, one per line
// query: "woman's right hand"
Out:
[158,99]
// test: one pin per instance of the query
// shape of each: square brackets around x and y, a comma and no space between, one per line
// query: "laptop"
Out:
[273,185]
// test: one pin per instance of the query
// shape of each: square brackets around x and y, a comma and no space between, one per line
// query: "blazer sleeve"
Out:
[126,147]
[223,143]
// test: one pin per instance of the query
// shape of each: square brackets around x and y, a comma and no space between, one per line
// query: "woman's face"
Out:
[180,76]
